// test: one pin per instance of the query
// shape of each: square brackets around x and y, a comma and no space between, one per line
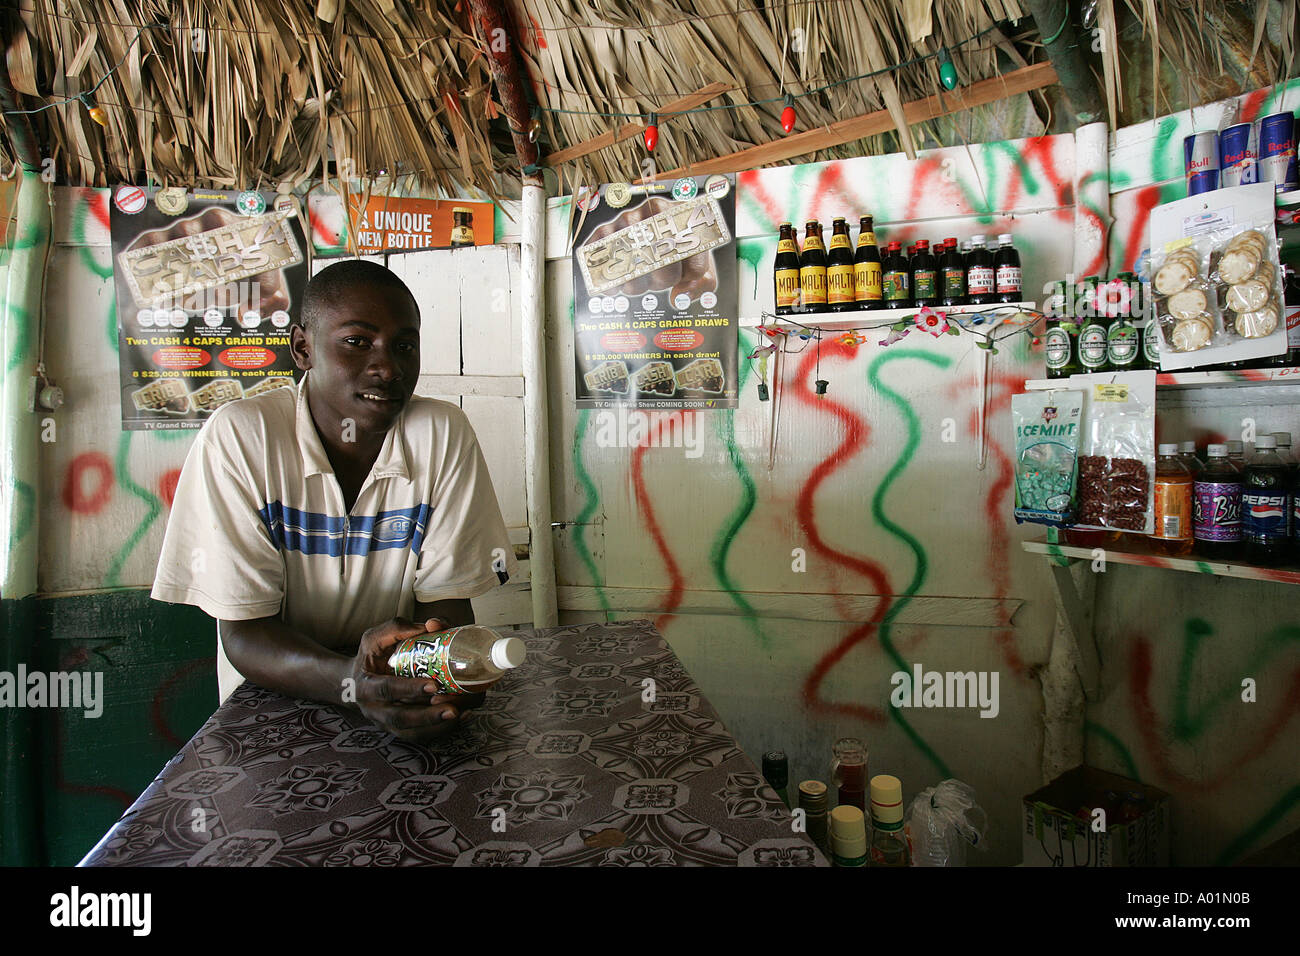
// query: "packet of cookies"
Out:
[1187,309]
[1250,284]
[1216,278]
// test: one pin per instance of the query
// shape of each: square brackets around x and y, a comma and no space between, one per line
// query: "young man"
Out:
[316,523]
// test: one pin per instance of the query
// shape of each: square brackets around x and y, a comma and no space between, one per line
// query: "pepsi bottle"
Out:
[1265,504]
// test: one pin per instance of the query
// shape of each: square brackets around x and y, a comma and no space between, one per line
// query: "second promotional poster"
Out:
[654,283]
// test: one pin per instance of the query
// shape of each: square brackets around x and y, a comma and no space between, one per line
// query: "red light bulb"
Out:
[788,117]
[652,133]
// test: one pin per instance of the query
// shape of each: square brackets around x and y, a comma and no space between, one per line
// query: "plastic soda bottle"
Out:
[1174,481]
[1216,506]
[1265,504]
[461,660]
[1187,452]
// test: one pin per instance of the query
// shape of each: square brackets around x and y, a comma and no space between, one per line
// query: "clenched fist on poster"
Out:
[268,293]
[694,275]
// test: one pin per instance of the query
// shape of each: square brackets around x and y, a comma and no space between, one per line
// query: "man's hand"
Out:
[409,707]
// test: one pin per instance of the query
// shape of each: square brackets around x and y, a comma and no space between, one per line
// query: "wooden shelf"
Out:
[1194,379]
[1137,552]
[839,321]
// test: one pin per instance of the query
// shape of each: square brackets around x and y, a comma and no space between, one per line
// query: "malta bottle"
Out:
[979,274]
[868,283]
[785,274]
[952,274]
[1007,275]
[925,276]
[841,293]
[812,269]
[898,278]
[462,228]
[461,660]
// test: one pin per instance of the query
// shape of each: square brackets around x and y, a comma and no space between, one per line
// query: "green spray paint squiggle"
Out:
[725,427]
[878,512]
[1125,756]
[152,501]
[1187,725]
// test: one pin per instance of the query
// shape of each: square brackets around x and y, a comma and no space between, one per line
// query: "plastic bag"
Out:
[1117,464]
[1216,279]
[1047,446]
[942,821]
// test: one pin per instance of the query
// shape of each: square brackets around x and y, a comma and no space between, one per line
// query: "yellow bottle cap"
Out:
[886,798]
[848,832]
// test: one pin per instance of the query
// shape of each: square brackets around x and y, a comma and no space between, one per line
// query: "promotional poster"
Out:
[654,277]
[207,282]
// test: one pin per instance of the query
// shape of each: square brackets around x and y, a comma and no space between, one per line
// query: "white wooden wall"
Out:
[470,356]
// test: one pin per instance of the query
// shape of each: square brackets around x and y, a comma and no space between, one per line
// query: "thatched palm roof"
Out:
[243,93]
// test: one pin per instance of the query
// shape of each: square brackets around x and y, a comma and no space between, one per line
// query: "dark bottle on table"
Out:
[897,278]
[785,272]
[925,276]
[841,296]
[776,771]
[1007,276]
[813,799]
[812,269]
[952,275]
[1265,504]
[1216,506]
[868,283]
[980,274]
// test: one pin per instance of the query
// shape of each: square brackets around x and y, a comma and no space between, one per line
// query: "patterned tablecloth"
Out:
[568,763]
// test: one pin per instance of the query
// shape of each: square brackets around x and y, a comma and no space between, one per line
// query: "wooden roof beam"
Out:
[871,124]
[628,130]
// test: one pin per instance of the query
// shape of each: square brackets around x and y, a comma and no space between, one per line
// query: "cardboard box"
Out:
[1133,832]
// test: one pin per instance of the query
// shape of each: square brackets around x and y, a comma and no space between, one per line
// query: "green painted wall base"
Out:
[69,776]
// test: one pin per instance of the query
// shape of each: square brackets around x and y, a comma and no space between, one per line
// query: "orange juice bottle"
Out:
[1174,483]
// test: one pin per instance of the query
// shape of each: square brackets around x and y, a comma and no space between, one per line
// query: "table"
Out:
[598,750]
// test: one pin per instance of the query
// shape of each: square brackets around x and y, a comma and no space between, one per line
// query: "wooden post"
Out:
[500,52]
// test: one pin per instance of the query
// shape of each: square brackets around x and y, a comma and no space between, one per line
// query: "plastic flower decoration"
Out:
[928,320]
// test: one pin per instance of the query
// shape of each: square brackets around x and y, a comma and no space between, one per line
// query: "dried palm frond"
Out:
[238,93]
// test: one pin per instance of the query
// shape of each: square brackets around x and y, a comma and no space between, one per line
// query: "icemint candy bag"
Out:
[1047,448]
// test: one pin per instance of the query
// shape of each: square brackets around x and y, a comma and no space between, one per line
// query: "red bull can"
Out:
[1277,155]
[1239,155]
[1201,162]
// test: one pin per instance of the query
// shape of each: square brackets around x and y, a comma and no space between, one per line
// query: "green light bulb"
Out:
[948,73]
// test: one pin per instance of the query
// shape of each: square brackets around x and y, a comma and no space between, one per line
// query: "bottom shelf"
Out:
[1135,549]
